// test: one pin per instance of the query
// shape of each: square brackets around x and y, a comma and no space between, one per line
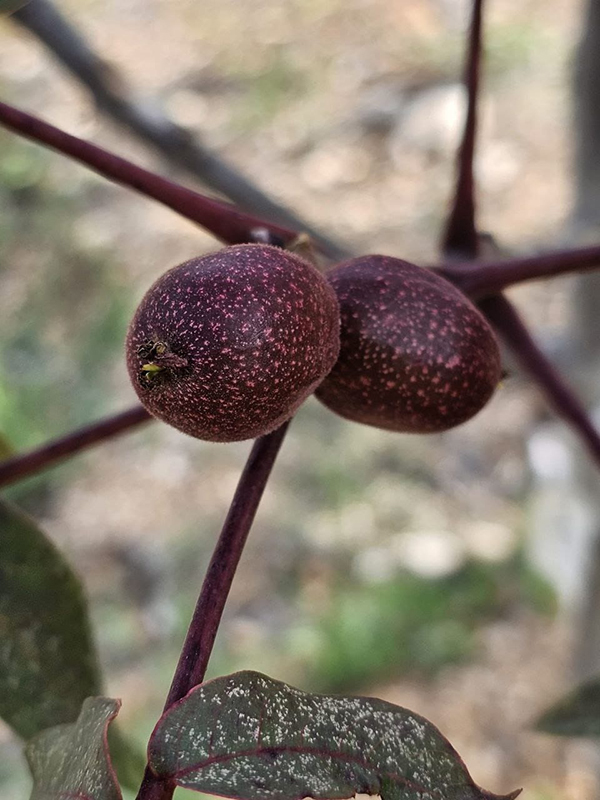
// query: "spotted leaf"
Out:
[72,760]
[250,737]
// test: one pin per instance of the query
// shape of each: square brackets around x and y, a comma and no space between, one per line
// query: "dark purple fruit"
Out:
[227,346]
[416,356]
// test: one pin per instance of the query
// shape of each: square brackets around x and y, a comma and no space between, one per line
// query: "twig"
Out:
[47,455]
[478,280]
[511,328]
[149,122]
[460,237]
[219,576]
[217,583]
[154,788]
[222,219]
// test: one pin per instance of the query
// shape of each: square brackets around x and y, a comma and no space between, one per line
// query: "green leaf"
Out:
[8,6]
[6,449]
[577,714]
[72,761]
[250,737]
[48,661]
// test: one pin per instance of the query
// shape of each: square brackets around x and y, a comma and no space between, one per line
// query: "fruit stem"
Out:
[222,219]
[460,237]
[478,280]
[217,582]
[511,328]
[25,464]
[221,570]
[153,788]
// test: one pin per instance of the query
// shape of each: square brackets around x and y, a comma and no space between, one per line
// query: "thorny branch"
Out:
[511,328]
[485,280]
[479,280]
[460,237]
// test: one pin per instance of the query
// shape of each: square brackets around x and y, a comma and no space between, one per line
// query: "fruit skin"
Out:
[226,346]
[416,355]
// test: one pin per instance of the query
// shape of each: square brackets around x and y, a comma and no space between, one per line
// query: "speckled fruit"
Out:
[226,347]
[416,356]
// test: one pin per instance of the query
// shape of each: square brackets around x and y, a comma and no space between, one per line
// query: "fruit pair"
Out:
[227,346]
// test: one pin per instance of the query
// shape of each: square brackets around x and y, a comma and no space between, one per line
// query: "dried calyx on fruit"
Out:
[226,346]
[416,355]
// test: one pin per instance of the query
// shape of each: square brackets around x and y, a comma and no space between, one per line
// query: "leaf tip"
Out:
[510,795]
[491,796]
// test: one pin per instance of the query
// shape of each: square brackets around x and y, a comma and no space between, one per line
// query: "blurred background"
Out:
[429,571]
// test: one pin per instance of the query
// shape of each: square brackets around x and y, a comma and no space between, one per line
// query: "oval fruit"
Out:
[226,346]
[416,355]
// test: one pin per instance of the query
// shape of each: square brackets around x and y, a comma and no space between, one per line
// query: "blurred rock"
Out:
[380,106]
[498,164]
[431,121]
[429,554]
[490,541]
[374,565]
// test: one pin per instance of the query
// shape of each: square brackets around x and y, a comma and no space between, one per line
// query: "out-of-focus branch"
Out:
[513,331]
[47,455]
[460,237]
[149,123]
[222,219]
[10,6]
[479,280]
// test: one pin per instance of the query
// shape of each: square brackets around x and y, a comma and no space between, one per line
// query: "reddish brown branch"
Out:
[222,219]
[26,464]
[153,788]
[217,583]
[147,120]
[511,328]
[219,575]
[479,280]
[460,236]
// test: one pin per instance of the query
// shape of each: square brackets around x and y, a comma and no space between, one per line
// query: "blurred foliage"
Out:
[577,714]
[70,307]
[63,312]
[409,624]
[269,91]
[362,633]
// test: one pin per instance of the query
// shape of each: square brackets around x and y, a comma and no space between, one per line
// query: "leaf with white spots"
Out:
[72,761]
[48,661]
[250,737]
[577,714]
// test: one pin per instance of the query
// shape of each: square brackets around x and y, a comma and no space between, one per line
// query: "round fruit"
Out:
[416,355]
[226,347]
